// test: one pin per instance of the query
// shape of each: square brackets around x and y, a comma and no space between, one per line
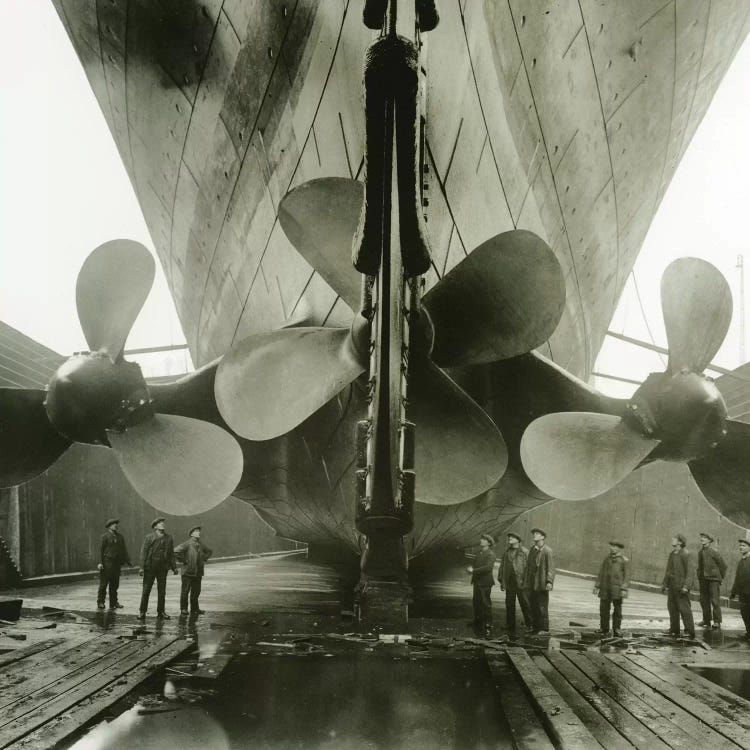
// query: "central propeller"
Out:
[504,299]
[677,415]
[178,464]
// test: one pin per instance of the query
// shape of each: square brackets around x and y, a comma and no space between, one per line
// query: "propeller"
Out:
[504,299]
[29,444]
[178,464]
[678,415]
[460,453]
[265,383]
[112,286]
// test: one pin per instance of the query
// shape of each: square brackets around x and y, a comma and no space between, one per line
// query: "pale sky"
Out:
[64,190]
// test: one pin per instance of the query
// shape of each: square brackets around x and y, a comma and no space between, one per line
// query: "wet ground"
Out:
[731,678]
[279,663]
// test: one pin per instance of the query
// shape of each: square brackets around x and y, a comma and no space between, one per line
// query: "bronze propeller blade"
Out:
[179,465]
[697,307]
[271,382]
[504,299]
[460,453]
[579,455]
[320,218]
[112,286]
[723,476]
[29,444]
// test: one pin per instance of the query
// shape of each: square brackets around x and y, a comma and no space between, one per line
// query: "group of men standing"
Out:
[158,557]
[527,577]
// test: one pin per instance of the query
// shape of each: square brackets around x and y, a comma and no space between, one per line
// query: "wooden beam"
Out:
[696,708]
[71,721]
[566,729]
[27,717]
[721,700]
[526,729]
[626,724]
[604,733]
[34,648]
[611,683]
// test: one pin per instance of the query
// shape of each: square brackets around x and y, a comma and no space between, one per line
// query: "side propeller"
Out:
[179,465]
[504,299]
[678,415]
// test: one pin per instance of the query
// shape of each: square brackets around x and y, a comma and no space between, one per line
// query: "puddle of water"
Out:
[736,680]
[317,703]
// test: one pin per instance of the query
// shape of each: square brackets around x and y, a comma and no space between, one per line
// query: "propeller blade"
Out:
[579,455]
[320,218]
[460,453]
[29,444]
[504,299]
[179,465]
[271,382]
[112,286]
[723,476]
[697,307]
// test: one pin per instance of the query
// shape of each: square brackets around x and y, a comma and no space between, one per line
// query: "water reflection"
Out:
[184,728]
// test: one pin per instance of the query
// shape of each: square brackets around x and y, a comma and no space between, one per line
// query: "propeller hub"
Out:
[685,411]
[89,395]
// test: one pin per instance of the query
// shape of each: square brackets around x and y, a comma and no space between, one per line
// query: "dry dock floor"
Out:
[278,662]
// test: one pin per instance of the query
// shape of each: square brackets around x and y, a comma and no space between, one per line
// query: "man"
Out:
[192,556]
[538,580]
[711,572]
[679,578]
[483,581]
[113,554]
[511,575]
[157,557]
[741,585]
[612,587]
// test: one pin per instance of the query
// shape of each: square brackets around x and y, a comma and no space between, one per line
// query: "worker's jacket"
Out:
[157,552]
[192,556]
[484,562]
[513,567]
[540,569]
[613,577]
[741,585]
[113,549]
[711,565]
[680,572]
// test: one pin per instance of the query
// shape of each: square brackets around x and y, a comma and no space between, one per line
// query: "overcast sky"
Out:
[64,191]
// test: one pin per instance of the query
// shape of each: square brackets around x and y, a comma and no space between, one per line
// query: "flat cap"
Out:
[110,521]
[539,531]
[617,544]
[513,534]
[707,535]
[490,539]
[155,521]
[681,539]
[190,533]
[746,538]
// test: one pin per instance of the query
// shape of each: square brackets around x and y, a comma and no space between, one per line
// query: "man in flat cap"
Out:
[113,554]
[741,585]
[711,572]
[612,587]
[511,575]
[538,580]
[679,578]
[192,556]
[157,558]
[482,581]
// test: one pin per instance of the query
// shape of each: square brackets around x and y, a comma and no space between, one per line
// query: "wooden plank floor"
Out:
[591,699]
[49,688]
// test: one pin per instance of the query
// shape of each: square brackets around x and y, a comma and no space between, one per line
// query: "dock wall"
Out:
[54,523]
